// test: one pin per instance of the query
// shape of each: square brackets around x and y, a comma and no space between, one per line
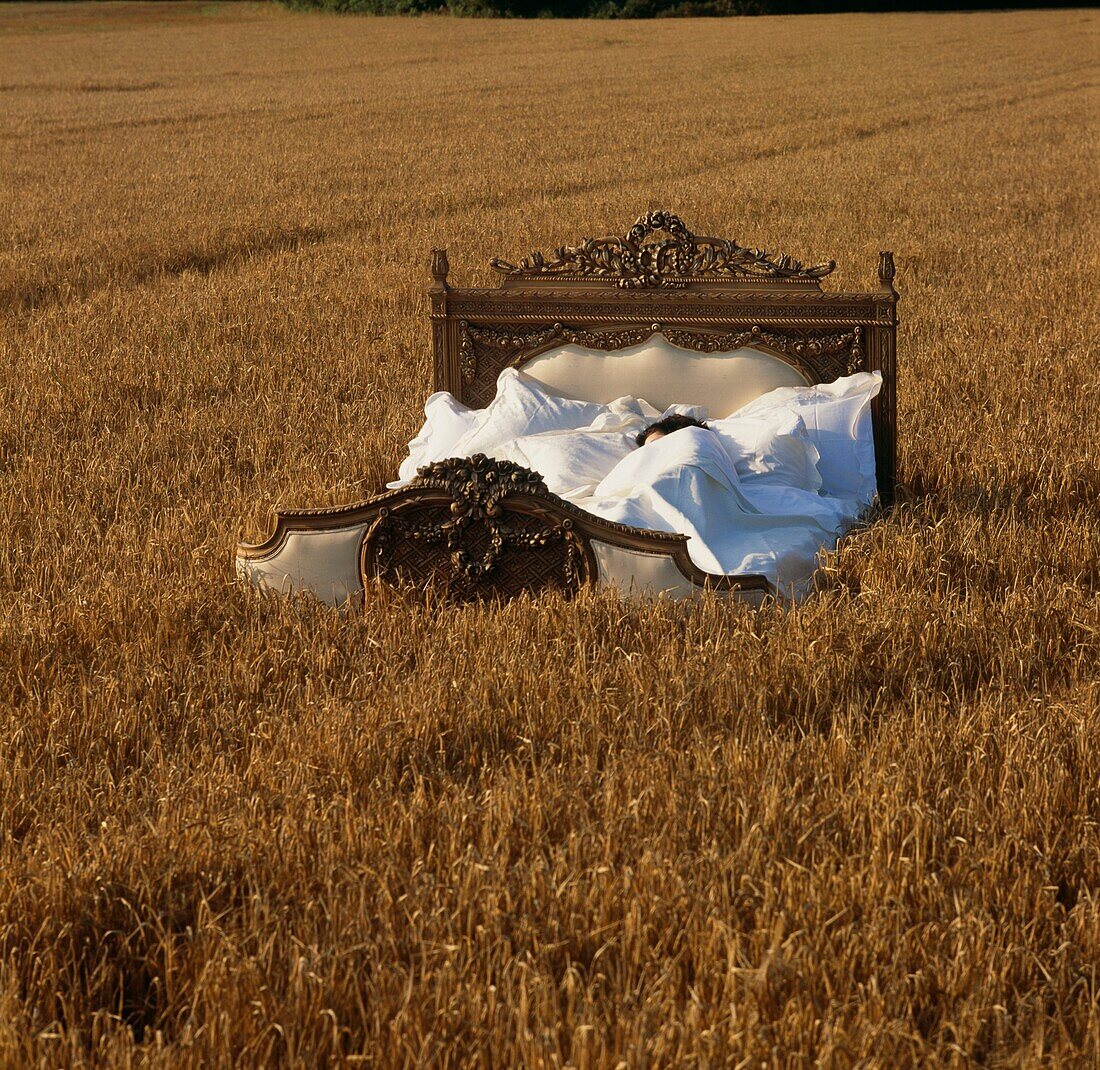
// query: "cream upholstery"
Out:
[639,574]
[664,374]
[325,563]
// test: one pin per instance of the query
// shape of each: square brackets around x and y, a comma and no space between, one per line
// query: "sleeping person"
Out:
[665,426]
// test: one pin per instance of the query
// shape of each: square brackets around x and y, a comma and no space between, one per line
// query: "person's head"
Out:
[666,426]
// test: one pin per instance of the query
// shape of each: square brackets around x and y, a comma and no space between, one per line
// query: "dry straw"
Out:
[246,832]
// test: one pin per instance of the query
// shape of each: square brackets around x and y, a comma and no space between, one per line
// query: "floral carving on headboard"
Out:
[632,262]
[822,353]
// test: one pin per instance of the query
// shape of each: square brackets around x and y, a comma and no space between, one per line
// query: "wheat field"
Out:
[863,832]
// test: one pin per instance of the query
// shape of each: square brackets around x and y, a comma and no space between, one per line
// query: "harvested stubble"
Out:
[236,831]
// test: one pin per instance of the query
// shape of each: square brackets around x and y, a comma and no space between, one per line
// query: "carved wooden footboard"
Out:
[481,529]
[475,529]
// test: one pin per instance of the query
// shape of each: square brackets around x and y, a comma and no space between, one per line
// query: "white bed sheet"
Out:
[686,482]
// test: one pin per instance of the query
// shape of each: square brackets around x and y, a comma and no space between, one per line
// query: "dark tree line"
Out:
[640,9]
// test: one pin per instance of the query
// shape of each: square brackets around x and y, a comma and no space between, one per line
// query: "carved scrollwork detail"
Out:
[466,355]
[518,294]
[823,311]
[855,357]
[828,354]
[476,530]
[633,263]
[622,338]
[479,484]
[505,339]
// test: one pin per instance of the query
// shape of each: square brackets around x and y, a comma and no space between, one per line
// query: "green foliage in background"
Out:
[542,8]
[644,9]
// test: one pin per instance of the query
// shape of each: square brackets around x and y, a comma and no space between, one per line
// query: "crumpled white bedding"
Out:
[763,492]
[686,482]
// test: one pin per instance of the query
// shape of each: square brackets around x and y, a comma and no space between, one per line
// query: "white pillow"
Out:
[636,414]
[774,450]
[694,412]
[445,422]
[570,461]
[625,414]
[838,422]
[522,406]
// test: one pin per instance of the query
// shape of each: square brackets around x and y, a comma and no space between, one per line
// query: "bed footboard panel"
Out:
[475,529]
[478,550]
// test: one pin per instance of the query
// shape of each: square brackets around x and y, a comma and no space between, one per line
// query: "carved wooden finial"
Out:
[886,270]
[440,266]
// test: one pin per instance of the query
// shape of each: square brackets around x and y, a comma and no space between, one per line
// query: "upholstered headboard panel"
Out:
[685,319]
[664,373]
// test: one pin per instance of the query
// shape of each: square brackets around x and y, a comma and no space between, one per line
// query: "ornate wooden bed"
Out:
[682,318]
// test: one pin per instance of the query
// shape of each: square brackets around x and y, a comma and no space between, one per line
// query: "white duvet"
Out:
[764,491]
[686,482]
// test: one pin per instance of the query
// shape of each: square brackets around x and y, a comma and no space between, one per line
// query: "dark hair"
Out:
[667,425]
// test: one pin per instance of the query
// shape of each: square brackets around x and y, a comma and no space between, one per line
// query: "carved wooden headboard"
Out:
[706,295]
